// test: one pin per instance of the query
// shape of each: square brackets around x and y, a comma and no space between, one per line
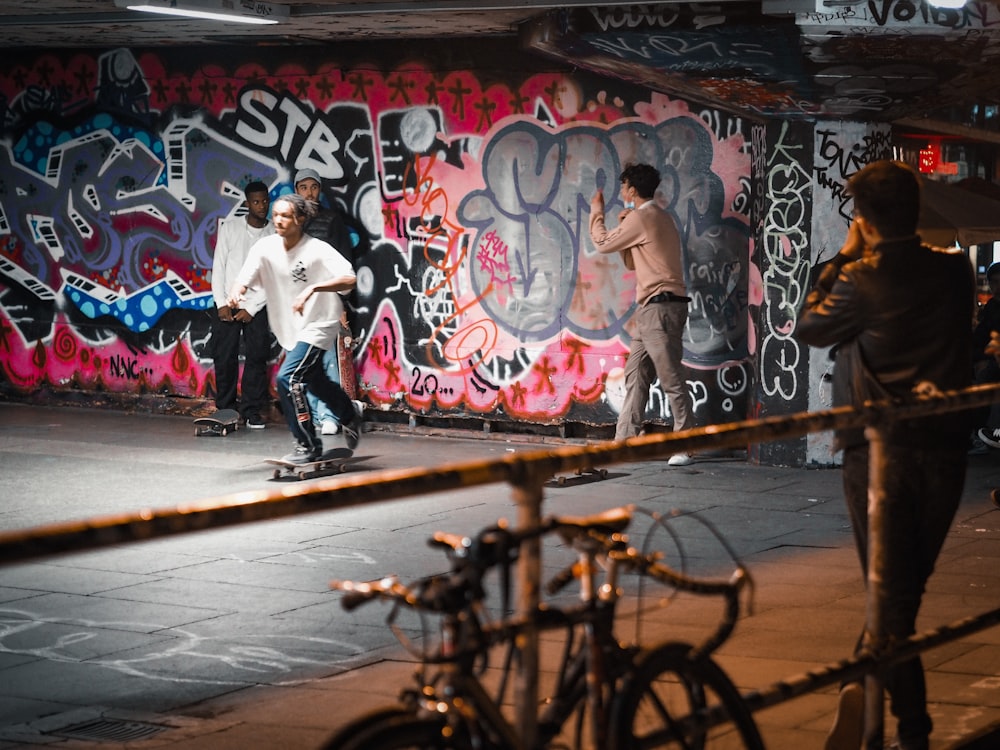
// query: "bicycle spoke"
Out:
[678,703]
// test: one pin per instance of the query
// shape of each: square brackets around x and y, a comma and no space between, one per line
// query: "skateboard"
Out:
[561,479]
[333,461]
[345,359]
[221,423]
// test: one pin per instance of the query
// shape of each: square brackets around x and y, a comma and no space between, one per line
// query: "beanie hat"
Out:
[306,174]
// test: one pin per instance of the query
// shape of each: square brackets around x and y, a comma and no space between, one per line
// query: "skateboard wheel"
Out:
[995,497]
[604,473]
[561,481]
[276,474]
[225,431]
[303,475]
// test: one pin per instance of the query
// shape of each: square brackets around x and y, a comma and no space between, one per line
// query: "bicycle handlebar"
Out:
[498,545]
[357,593]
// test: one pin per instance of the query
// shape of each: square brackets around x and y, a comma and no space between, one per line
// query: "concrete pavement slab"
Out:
[231,638]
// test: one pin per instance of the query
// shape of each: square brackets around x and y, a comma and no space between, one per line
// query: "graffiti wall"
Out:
[781,281]
[841,149]
[876,60]
[479,292]
[802,212]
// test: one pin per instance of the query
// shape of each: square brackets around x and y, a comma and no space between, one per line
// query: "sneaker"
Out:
[329,427]
[977,447]
[303,454]
[680,459]
[255,422]
[848,727]
[990,437]
[352,432]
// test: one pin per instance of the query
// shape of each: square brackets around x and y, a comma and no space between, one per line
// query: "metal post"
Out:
[875,639]
[528,495]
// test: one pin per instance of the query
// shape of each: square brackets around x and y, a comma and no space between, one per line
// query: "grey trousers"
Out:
[657,351]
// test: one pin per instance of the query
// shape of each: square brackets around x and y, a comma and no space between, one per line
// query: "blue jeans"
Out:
[302,372]
[321,412]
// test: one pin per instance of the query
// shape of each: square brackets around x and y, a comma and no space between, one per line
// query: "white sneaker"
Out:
[848,728]
[680,459]
[329,427]
[990,437]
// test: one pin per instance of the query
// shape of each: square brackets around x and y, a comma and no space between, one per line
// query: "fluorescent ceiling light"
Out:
[232,11]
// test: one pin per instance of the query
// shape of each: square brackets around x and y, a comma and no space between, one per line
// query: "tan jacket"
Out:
[650,236]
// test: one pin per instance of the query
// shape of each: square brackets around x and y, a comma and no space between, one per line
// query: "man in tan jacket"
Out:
[650,243]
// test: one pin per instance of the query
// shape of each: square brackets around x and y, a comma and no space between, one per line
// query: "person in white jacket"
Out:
[248,320]
[301,276]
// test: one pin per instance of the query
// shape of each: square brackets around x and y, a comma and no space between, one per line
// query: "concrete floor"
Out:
[232,639]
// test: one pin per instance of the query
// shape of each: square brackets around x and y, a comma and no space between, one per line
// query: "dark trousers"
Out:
[301,373]
[923,488]
[253,389]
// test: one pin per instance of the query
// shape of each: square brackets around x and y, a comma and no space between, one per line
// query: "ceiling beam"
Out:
[948,128]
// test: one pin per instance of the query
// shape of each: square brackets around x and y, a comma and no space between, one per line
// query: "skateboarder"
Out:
[301,276]
[330,226]
[248,319]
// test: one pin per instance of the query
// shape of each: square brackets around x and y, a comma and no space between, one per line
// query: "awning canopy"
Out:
[950,215]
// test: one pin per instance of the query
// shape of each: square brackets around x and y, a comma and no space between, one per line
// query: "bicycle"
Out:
[618,696]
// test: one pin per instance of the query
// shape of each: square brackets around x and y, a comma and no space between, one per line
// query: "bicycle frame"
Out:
[587,666]
[593,662]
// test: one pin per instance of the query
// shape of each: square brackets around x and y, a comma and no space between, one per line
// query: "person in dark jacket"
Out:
[986,368]
[327,224]
[899,313]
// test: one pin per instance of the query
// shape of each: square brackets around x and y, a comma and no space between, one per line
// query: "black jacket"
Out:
[989,320]
[899,317]
[329,226]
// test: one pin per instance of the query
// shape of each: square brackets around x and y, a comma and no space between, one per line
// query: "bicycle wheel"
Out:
[346,738]
[398,731]
[670,701]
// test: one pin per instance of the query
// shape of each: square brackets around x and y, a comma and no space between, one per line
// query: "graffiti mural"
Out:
[855,59]
[783,170]
[478,293]
[841,150]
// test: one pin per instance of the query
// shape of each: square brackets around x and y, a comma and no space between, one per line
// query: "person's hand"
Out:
[993,348]
[625,212]
[242,316]
[854,245]
[226,314]
[299,303]
[236,297]
[597,203]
